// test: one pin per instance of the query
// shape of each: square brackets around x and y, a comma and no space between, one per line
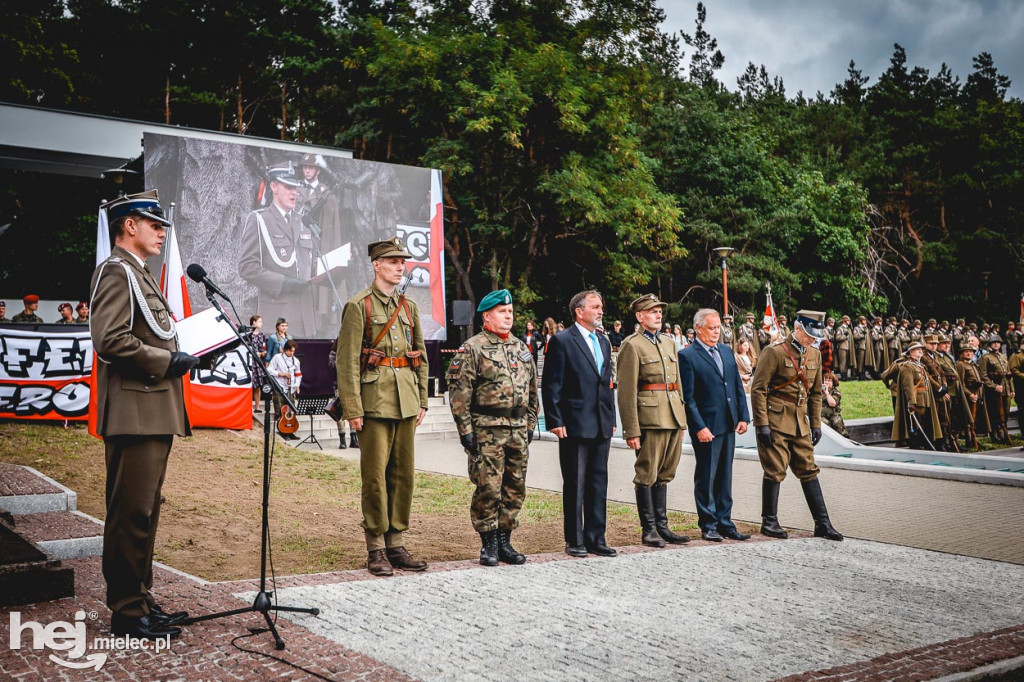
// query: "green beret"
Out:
[495,298]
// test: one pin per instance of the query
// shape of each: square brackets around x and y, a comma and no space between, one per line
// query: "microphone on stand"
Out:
[196,273]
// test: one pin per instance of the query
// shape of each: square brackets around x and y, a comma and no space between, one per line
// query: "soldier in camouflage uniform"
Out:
[832,404]
[728,336]
[492,387]
[749,331]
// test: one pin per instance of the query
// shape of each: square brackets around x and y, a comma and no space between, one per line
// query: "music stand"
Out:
[311,407]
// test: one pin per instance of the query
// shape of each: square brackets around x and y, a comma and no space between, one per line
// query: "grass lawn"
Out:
[863,399]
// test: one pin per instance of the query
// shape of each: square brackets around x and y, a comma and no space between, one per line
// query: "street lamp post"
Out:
[985,275]
[723,253]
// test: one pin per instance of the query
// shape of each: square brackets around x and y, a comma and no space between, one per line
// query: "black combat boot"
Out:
[352,440]
[816,502]
[770,510]
[659,496]
[506,552]
[341,441]
[648,526]
[489,548]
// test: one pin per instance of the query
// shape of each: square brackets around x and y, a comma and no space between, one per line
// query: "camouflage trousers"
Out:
[835,421]
[498,469]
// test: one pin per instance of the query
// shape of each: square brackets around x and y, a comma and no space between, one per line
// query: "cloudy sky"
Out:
[809,43]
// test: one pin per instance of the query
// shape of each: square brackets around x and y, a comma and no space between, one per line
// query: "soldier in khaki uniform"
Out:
[382,380]
[492,387]
[939,388]
[277,256]
[140,408]
[995,373]
[970,379]
[650,399]
[841,344]
[915,418]
[1016,365]
[786,398]
[960,422]
[748,330]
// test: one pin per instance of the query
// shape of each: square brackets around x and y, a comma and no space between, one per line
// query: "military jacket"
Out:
[385,392]
[275,248]
[727,335]
[949,375]
[915,334]
[931,365]
[490,373]
[881,349]
[778,396]
[133,397]
[747,331]
[995,371]
[1016,365]
[641,363]
[891,375]
[893,341]
[861,336]
[842,337]
[914,388]
[830,332]
[27,318]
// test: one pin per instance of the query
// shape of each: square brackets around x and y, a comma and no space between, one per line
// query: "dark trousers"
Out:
[712,482]
[584,464]
[135,473]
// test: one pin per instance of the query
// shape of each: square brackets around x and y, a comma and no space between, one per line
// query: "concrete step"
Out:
[62,534]
[23,490]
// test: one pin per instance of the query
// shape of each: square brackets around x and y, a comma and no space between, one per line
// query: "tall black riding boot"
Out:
[489,548]
[352,440]
[341,441]
[506,552]
[770,509]
[659,496]
[648,525]
[816,502]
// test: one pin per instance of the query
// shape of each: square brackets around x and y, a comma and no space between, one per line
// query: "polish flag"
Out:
[102,254]
[437,248]
[768,323]
[172,279]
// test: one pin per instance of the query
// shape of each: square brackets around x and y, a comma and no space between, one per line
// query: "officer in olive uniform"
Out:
[842,342]
[1016,365]
[749,331]
[959,411]
[492,387]
[382,381]
[973,387]
[995,373]
[28,316]
[650,400]
[786,398]
[277,256]
[140,407]
[915,419]
[864,350]
[939,389]
[892,344]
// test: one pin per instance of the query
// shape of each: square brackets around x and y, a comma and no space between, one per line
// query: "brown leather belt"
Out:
[517,412]
[788,398]
[657,387]
[388,361]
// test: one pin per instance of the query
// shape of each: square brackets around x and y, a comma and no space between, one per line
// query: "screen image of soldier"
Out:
[492,388]
[650,398]
[382,380]
[140,408]
[786,398]
[277,255]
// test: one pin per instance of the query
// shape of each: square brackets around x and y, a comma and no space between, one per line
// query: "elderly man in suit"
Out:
[579,408]
[716,410]
[140,407]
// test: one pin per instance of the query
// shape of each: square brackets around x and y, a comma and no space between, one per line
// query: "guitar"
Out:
[288,423]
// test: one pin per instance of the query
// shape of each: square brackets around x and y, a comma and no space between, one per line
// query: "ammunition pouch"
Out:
[415,358]
[370,358]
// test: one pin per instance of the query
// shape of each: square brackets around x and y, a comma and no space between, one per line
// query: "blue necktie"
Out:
[718,360]
[597,352]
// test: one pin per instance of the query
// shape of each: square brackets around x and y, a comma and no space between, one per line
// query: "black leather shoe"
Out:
[735,535]
[576,550]
[161,617]
[602,550]
[711,536]
[143,627]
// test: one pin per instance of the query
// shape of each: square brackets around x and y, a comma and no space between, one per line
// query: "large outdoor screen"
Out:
[297,252]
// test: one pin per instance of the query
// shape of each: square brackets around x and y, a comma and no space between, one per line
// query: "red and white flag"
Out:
[172,279]
[1021,323]
[768,323]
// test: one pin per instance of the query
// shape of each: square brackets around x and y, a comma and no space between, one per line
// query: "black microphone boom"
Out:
[196,273]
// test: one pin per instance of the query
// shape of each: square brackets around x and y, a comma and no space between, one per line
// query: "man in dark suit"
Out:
[579,408]
[716,410]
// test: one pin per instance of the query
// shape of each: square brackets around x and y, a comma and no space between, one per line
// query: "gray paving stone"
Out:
[740,611]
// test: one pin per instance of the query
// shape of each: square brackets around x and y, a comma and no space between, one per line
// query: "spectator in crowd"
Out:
[678,338]
[616,336]
[66,314]
[533,339]
[550,329]
[83,313]
[332,362]
[28,316]
[3,313]
[287,369]
[276,341]
[745,362]
[259,363]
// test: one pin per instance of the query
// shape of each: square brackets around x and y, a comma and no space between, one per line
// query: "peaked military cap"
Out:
[388,248]
[495,298]
[944,339]
[930,338]
[646,302]
[967,349]
[145,204]
[283,173]
[812,322]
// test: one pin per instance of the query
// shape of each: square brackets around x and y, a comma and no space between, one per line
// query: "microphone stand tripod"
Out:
[263,603]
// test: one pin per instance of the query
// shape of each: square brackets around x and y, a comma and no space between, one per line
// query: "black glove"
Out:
[764,435]
[529,436]
[943,390]
[815,435]
[469,441]
[181,364]
[292,285]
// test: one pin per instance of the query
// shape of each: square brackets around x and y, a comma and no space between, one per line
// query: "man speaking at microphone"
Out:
[140,407]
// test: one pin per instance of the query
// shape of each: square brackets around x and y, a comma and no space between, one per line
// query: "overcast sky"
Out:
[810,43]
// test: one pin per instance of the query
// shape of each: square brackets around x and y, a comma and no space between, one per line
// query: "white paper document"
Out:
[204,332]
